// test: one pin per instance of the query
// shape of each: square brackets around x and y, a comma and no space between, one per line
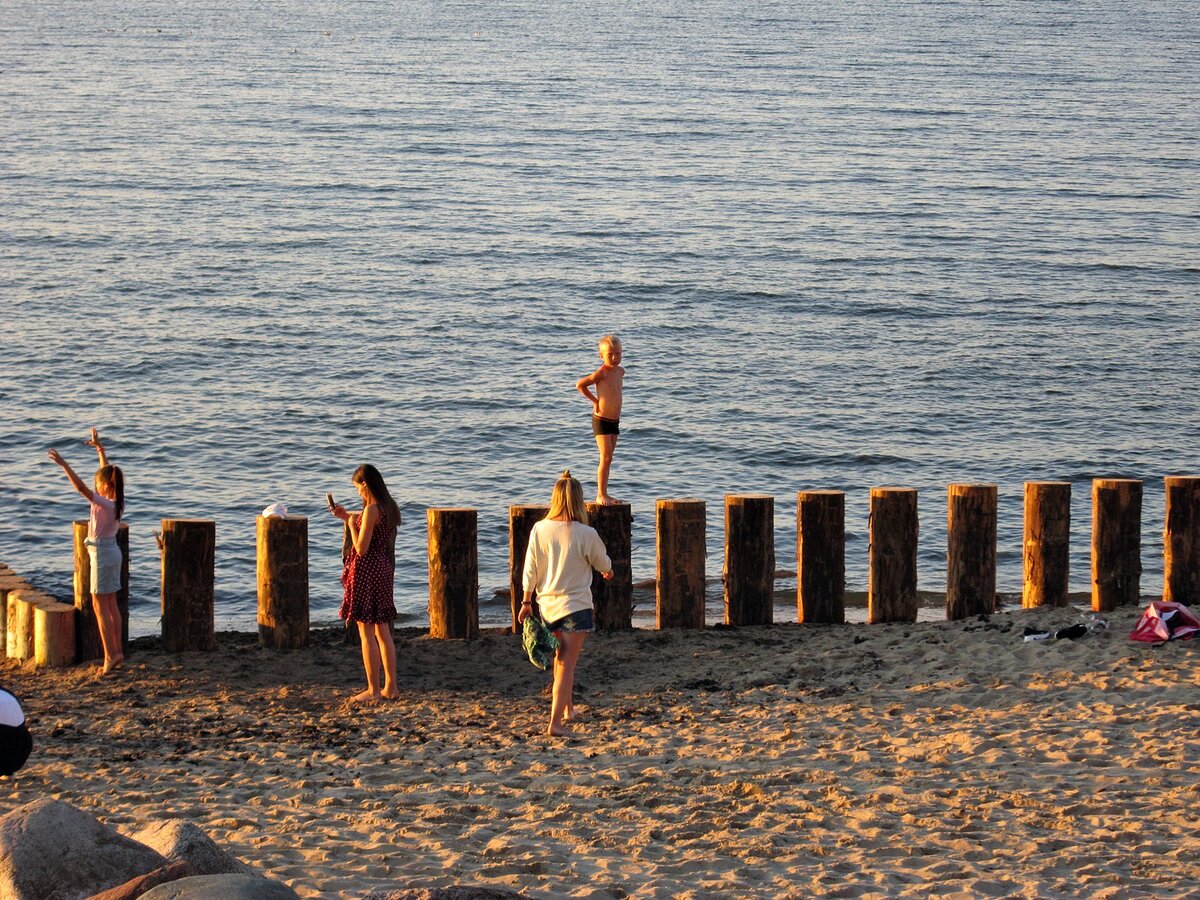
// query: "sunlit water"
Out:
[845,244]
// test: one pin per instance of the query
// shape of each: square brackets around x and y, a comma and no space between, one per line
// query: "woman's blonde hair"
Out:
[567,500]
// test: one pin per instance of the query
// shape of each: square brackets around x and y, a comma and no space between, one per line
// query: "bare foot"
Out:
[559,731]
[367,696]
[607,500]
[110,664]
[393,694]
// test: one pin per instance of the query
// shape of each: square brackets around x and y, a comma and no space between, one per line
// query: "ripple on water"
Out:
[845,246]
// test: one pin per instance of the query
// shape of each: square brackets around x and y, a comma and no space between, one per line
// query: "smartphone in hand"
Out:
[329,502]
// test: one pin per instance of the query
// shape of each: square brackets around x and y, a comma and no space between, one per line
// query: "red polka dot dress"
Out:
[368,597]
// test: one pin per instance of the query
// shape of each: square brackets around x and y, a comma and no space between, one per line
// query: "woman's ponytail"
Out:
[112,475]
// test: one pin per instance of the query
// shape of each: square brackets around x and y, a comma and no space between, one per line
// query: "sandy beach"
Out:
[899,760]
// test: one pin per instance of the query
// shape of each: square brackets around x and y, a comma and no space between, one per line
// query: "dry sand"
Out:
[901,760]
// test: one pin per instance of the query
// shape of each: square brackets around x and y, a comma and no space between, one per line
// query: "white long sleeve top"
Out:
[559,564]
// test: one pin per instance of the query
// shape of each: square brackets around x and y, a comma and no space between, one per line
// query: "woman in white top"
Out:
[563,551]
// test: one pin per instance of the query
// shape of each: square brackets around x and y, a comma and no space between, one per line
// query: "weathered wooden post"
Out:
[54,633]
[613,598]
[282,543]
[87,630]
[453,573]
[11,644]
[679,531]
[892,555]
[749,572]
[20,633]
[10,582]
[971,551]
[188,559]
[1047,547]
[1116,542]
[1181,541]
[821,557]
[521,520]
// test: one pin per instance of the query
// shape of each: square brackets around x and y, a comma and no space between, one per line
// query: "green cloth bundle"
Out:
[538,642]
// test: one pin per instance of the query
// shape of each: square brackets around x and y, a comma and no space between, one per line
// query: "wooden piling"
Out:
[282,550]
[971,551]
[1047,545]
[19,637]
[54,633]
[87,630]
[1116,542]
[613,598]
[453,573]
[749,571]
[10,625]
[892,555]
[1181,541]
[521,520]
[188,558]
[10,583]
[821,557]
[679,539]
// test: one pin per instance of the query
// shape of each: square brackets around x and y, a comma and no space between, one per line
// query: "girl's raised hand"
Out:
[56,456]
[94,440]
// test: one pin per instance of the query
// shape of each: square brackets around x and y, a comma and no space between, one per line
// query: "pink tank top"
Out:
[103,521]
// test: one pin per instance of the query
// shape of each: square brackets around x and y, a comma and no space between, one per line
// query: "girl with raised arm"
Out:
[367,576]
[107,499]
[563,551]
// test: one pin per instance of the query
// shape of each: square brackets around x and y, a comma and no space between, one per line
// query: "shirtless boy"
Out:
[606,409]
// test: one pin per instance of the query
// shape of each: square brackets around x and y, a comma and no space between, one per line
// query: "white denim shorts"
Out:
[106,561]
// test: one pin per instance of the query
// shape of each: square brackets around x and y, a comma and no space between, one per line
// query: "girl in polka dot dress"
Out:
[367,577]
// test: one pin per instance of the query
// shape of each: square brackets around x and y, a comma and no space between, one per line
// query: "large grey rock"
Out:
[222,887]
[131,890]
[49,850]
[461,892]
[181,841]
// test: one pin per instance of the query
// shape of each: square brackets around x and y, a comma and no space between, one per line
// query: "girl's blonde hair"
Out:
[567,500]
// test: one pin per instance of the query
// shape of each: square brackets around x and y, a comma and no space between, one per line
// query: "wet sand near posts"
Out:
[840,761]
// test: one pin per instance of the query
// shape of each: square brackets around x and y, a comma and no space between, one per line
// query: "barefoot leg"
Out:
[387,655]
[570,645]
[371,662]
[108,622]
[606,444]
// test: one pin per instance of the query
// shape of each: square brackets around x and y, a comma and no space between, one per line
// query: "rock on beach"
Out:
[181,841]
[221,887]
[49,850]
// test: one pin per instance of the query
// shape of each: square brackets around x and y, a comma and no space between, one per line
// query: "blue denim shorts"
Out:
[105,557]
[584,620]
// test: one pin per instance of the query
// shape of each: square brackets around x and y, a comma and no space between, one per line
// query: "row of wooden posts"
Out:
[189,545]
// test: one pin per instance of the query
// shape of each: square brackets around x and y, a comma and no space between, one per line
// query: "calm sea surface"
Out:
[846,244]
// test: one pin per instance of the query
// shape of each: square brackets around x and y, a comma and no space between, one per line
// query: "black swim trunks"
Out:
[605,426]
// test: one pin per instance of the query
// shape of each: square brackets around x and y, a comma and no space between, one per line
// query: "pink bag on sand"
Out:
[1163,621]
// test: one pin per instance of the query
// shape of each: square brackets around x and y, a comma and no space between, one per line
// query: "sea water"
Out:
[878,242]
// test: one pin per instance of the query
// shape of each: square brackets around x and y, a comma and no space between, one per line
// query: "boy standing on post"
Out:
[606,409]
